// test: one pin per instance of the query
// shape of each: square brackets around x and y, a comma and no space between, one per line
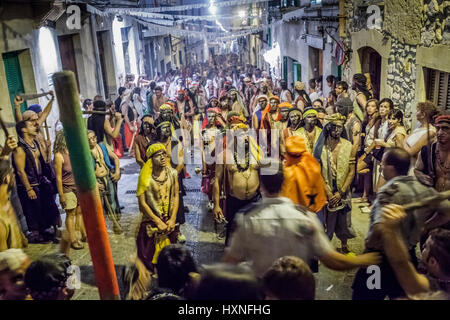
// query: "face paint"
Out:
[211,116]
[336,130]
[273,105]
[294,118]
[284,114]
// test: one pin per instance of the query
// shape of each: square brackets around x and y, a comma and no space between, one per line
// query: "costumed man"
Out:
[131,121]
[433,166]
[352,124]
[226,87]
[237,105]
[236,179]
[36,185]
[39,117]
[270,122]
[107,174]
[157,193]
[433,162]
[213,102]
[285,107]
[224,110]
[257,114]
[310,131]
[144,139]
[337,160]
[167,137]
[208,147]
[294,122]
[265,88]
[184,107]
[303,182]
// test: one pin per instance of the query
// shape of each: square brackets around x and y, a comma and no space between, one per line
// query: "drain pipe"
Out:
[98,70]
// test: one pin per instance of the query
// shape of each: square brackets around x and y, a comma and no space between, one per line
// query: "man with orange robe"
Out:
[303,182]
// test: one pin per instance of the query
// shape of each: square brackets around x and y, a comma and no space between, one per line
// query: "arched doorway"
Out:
[371,64]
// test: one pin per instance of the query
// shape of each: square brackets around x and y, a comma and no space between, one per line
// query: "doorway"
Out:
[371,68]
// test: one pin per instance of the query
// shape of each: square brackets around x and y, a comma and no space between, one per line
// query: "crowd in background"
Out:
[326,150]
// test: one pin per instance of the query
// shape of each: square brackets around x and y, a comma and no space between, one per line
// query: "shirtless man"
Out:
[208,146]
[107,174]
[158,100]
[10,234]
[237,178]
[158,202]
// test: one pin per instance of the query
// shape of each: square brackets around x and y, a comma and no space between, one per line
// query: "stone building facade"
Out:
[405,51]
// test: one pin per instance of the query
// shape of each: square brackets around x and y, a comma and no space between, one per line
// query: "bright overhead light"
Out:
[213,9]
[241,14]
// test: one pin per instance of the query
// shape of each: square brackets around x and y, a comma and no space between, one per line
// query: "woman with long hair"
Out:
[362,95]
[425,133]
[365,162]
[67,193]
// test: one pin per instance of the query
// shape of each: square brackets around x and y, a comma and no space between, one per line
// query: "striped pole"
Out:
[83,171]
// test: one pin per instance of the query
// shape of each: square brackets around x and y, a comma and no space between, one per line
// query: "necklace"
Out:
[161,182]
[247,161]
[442,162]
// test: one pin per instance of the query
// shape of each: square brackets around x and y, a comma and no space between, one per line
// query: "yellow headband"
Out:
[146,173]
[336,118]
[165,106]
[310,111]
[154,148]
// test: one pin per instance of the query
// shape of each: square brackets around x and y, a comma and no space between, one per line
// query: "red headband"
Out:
[443,118]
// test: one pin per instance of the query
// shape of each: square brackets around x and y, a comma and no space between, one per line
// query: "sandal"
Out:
[76,245]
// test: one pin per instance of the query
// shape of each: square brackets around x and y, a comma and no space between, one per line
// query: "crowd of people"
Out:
[280,167]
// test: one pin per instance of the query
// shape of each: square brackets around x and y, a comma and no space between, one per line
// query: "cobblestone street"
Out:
[201,236]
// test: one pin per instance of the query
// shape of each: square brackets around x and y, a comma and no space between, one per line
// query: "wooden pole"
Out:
[83,171]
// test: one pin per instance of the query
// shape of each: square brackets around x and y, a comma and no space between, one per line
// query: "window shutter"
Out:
[14,77]
[443,90]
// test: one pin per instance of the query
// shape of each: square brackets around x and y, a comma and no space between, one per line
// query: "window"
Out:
[437,86]
[181,57]
[126,55]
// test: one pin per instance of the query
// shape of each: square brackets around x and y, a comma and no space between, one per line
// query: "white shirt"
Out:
[313,96]
[276,228]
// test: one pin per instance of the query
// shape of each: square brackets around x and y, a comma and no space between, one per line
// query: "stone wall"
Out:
[436,22]
[402,77]
[402,20]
